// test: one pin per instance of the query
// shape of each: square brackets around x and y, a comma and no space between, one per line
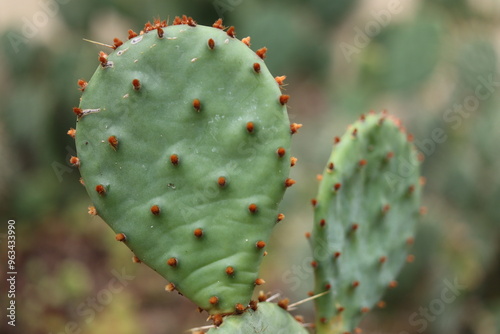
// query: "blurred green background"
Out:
[433,63]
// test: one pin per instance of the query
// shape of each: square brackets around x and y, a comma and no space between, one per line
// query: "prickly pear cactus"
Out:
[268,318]
[183,145]
[365,215]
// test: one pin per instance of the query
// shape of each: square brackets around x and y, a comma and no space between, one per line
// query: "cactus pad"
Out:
[365,214]
[269,318]
[183,145]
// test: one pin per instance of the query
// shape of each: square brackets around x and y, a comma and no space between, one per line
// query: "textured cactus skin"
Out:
[365,214]
[269,318]
[159,120]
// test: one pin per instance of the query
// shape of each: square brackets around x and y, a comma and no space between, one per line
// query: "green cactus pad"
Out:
[269,318]
[183,144]
[365,215]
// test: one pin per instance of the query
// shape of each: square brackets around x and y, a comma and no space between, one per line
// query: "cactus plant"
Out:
[364,219]
[183,145]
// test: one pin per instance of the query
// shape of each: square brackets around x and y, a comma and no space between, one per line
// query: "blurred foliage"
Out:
[332,12]
[404,56]
[426,66]
[294,43]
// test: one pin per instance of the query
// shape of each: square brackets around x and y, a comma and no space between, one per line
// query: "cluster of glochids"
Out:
[208,160]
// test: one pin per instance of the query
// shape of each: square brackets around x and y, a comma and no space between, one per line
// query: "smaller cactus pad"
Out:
[269,318]
[365,215]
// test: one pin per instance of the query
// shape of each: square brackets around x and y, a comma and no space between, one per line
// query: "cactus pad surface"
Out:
[365,215]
